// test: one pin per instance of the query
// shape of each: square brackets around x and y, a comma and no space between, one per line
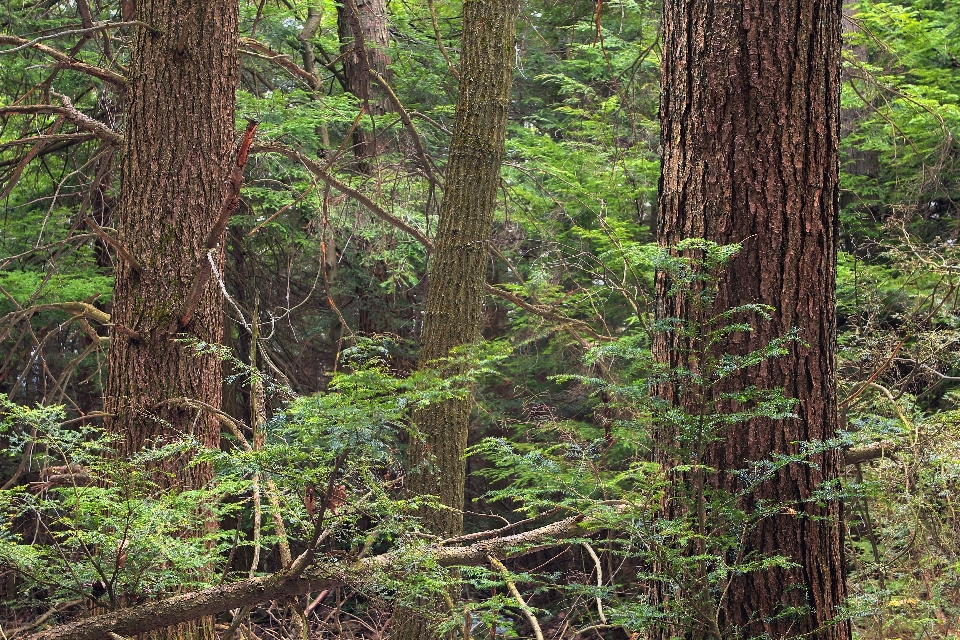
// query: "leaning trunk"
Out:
[750,113]
[454,311]
[178,135]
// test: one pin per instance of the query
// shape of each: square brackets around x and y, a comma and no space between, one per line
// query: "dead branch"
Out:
[59,137]
[255,48]
[230,204]
[870,452]
[546,312]
[68,62]
[318,170]
[408,123]
[69,112]
[99,26]
[319,576]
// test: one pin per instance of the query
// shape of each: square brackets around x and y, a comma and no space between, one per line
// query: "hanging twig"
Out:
[230,204]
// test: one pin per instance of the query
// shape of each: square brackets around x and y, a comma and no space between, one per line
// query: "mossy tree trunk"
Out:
[750,129]
[454,313]
[177,152]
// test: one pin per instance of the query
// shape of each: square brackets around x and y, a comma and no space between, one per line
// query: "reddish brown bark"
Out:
[750,115]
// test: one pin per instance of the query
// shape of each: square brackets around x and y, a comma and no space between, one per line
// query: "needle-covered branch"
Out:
[321,172]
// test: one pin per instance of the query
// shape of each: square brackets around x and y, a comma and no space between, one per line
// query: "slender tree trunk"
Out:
[750,129]
[454,313]
[177,150]
[362,26]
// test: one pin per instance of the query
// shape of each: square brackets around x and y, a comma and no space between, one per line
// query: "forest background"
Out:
[323,284]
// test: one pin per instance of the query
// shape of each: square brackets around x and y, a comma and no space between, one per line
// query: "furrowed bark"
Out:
[177,153]
[750,120]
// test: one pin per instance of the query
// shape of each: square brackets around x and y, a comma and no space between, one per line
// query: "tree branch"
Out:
[870,452]
[101,26]
[408,123]
[113,242]
[213,600]
[230,204]
[69,112]
[66,61]
[260,50]
[319,171]
[57,137]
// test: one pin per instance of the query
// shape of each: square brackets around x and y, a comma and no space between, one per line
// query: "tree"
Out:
[176,155]
[362,27]
[750,136]
[454,312]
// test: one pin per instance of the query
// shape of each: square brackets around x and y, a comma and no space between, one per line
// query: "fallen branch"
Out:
[319,576]
[524,607]
[870,452]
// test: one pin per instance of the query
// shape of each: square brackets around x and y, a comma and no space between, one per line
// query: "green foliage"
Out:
[98,529]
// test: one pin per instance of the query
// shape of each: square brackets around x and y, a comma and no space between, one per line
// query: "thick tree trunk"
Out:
[177,151]
[750,122]
[364,39]
[454,313]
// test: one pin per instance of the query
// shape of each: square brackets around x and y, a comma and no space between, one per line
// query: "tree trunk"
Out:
[454,313]
[362,27]
[750,129]
[177,151]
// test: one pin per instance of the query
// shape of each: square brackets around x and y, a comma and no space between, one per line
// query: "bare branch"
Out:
[408,123]
[229,207]
[58,137]
[113,242]
[546,312]
[69,112]
[67,62]
[870,452]
[100,26]
[318,170]
[260,50]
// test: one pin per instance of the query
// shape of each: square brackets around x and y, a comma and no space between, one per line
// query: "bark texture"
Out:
[364,40]
[454,312]
[177,152]
[750,121]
